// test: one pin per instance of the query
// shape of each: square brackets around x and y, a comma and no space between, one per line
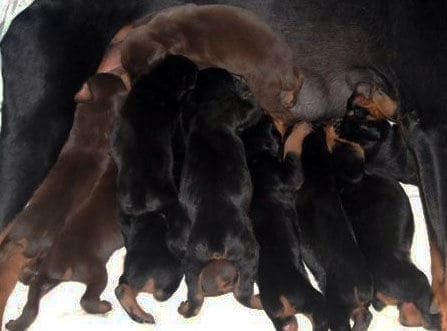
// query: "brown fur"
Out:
[380,105]
[438,282]
[332,139]
[294,142]
[221,36]
[82,166]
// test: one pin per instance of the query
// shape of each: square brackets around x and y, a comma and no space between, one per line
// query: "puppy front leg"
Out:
[41,286]
[193,278]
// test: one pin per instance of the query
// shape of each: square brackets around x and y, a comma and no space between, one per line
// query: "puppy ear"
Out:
[84,95]
[375,101]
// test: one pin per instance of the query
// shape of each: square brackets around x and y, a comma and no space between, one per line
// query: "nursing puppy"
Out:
[381,216]
[154,224]
[219,36]
[329,247]
[370,121]
[83,160]
[284,287]
[90,236]
[216,187]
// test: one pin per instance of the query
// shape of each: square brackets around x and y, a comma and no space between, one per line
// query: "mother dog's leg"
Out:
[49,50]
[430,148]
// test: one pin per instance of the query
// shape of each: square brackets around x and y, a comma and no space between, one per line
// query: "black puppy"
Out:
[284,287]
[147,194]
[381,216]
[382,139]
[329,247]
[216,187]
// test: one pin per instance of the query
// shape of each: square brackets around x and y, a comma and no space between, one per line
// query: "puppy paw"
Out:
[187,309]
[15,325]
[96,306]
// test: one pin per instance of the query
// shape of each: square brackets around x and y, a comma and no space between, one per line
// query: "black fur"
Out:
[215,185]
[380,213]
[328,243]
[281,273]
[147,192]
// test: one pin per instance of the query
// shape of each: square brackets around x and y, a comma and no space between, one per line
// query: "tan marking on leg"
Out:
[288,308]
[410,316]
[438,282]
[280,126]
[149,287]
[389,301]
[294,142]
[127,296]
[332,140]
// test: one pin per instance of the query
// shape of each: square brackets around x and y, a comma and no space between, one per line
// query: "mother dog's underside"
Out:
[55,45]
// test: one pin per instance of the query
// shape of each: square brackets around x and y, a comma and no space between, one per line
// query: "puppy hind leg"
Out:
[41,286]
[96,282]
[288,323]
[362,318]
[243,289]
[127,297]
[193,275]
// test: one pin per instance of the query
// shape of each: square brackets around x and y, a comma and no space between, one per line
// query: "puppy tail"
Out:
[127,296]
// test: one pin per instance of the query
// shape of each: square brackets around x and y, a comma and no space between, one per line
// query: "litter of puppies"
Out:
[187,152]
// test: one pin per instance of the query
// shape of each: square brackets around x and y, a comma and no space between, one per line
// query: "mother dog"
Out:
[54,45]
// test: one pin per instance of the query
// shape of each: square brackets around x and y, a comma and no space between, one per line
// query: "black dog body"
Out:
[380,213]
[329,247]
[284,287]
[216,187]
[150,213]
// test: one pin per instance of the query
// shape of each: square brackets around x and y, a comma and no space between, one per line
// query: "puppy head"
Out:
[228,98]
[177,73]
[360,127]
[102,92]
[348,158]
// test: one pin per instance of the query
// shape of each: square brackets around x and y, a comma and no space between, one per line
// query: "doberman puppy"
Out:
[216,187]
[284,287]
[370,121]
[154,223]
[221,36]
[83,161]
[80,253]
[381,216]
[329,247]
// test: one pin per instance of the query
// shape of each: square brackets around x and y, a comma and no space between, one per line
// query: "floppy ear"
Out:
[84,95]
[379,104]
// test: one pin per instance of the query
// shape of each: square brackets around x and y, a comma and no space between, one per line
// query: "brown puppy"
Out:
[82,161]
[81,251]
[221,36]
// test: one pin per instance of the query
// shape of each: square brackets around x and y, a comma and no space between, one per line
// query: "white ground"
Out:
[60,309]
